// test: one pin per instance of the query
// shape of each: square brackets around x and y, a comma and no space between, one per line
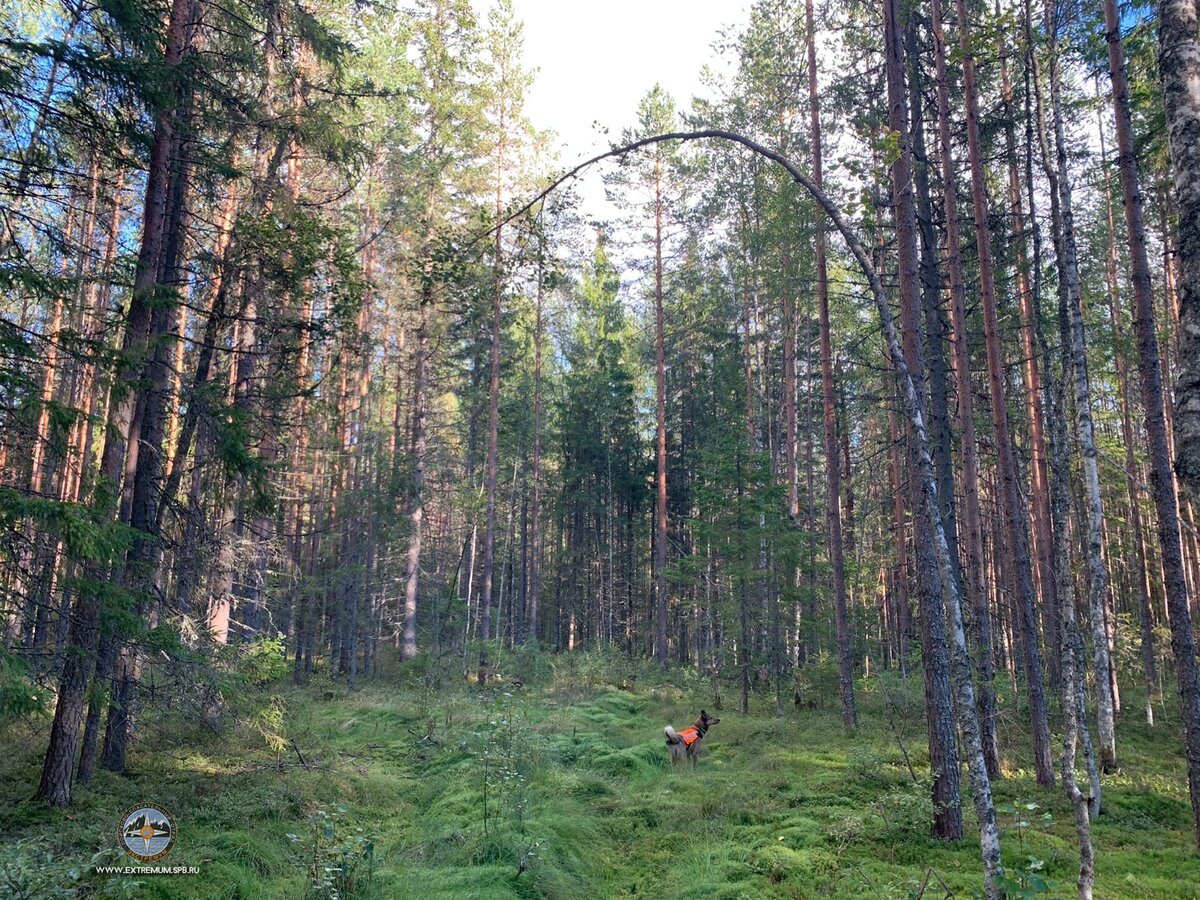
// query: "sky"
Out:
[595,61]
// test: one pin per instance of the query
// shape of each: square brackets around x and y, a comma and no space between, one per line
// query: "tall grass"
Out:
[559,787]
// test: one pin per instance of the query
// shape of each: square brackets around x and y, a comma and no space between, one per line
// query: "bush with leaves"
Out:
[263,662]
[339,857]
[1027,879]
[31,869]
[19,696]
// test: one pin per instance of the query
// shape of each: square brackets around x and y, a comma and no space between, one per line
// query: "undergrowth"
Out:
[553,782]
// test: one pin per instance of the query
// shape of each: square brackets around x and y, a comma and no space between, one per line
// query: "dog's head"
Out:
[707,721]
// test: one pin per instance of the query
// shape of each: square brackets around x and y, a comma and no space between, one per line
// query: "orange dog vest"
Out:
[689,735]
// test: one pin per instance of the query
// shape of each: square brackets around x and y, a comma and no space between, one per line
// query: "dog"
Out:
[686,745]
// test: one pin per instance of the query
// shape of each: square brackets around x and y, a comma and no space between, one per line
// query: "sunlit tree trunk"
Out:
[660,452]
[832,463]
[1016,526]
[58,766]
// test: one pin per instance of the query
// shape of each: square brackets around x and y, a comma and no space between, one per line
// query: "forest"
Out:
[372,497]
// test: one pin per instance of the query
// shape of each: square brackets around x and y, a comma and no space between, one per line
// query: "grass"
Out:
[579,800]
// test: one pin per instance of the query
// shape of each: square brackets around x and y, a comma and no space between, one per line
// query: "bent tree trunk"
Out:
[914,408]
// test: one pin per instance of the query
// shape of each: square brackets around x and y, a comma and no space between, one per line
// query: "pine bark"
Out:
[832,462]
[1183,643]
[418,450]
[1016,526]
[939,710]
[661,651]
[55,784]
[1141,575]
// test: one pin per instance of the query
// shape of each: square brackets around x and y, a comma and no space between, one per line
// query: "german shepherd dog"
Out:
[687,744]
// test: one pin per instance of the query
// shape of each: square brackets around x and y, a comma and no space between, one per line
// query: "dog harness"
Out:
[690,735]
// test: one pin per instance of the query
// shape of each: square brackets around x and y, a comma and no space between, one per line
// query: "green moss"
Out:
[582,801]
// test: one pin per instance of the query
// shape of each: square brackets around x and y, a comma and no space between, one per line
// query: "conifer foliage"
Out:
[296,347]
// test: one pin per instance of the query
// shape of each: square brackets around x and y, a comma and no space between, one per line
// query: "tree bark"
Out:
[1012,504]
[832,462]
[408,647]
[55,784]
[939,711]
[1183,644]
[1179,68]
[660,453]
[1141,576]
[976,589]
[1039,481]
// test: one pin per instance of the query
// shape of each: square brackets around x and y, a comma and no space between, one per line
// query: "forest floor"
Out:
[560,787]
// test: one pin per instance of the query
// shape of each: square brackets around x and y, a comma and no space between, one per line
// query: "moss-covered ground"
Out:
[560,787]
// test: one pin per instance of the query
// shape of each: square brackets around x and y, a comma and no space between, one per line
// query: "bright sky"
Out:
[595,60]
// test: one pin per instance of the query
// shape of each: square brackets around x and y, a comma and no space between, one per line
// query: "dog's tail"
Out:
[672,737]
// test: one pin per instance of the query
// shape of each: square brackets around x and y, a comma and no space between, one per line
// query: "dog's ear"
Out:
[703,714]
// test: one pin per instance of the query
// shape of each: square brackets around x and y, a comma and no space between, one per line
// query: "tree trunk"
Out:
[535,556]
[1039,481]
[55,784]
[1140,577]
[1012,504]
[660,390]
[408,648]
[976,589]
[1179,68]
[1183,644]
[832,462]
[489,534]
[939,711]
[1075,367]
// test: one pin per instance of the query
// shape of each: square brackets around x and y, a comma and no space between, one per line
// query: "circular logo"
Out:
[147,832]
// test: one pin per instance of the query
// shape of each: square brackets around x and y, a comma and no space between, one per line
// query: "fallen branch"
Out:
[299,755]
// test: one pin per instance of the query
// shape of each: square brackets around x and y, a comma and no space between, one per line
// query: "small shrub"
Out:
[776,862]
[29,870]
[531,664]
[867,765]
[19,696]
[906,814]
[263,661]
[267,721]
[846,831]
[339,857]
